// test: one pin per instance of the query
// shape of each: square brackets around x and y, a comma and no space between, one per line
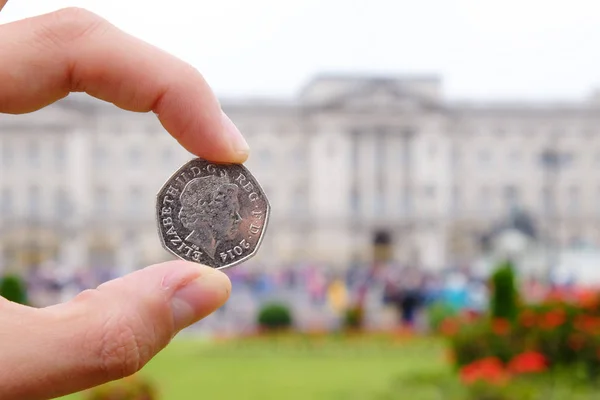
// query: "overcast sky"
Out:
[482,49]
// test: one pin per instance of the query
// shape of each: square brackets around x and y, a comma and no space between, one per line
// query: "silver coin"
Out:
[212,214]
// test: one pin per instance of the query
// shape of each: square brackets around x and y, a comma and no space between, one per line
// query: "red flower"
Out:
[500,326]
[528,318]
[587,323]
[489,370]
[581,322]
[555,296]
[587,298]
[449,327]
[576,341]
[529,362]
[553,319]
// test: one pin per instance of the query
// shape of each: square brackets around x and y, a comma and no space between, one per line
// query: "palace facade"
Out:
[349,161]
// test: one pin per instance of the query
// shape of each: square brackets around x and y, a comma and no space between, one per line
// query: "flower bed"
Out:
[517,343]
[495,355]
[564,333]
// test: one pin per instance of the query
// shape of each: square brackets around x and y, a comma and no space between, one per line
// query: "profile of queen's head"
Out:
[210,210]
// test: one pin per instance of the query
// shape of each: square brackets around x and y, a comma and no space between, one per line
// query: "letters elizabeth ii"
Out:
[213,214]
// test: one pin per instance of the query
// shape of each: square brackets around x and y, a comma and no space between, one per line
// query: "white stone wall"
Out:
[333,163]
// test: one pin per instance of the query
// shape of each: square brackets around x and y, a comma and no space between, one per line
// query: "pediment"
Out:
[378,97]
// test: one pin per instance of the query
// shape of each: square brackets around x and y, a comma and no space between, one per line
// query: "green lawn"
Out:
[297,368]
[300,368]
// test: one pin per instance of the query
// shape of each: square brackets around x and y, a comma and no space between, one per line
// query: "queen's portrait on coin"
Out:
[210,210]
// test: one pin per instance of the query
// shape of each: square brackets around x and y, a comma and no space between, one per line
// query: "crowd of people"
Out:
[315,291]
[404,289]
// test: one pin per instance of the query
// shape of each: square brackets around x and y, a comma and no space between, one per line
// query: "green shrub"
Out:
[354,318]
[132,388]
[275,316]
[504,298]
[13,288]
[485,338]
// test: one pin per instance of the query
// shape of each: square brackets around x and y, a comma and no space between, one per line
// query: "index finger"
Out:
[72,50]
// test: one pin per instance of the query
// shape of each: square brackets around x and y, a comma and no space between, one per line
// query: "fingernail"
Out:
[199,297]
[238,143]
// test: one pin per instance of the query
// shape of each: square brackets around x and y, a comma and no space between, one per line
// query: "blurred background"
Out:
[432,169]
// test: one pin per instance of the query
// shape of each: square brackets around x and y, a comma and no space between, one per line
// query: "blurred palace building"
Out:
[351,161]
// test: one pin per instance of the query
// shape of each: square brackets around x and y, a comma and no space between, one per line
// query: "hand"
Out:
[110,332]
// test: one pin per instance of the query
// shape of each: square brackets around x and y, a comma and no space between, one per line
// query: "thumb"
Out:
[107,333]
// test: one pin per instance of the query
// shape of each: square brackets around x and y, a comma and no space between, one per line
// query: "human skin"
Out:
[110,332]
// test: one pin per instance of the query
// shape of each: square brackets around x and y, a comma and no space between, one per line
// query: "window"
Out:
[456,156]
[135,156]
[550,159]
[101,201]
[429,192]
[529,131]
[557,133]
[514,157]
[7,202]
[62,207]
[100,156]
[511,197]
[33,201]
[432,150]
[484,199]
[456,199]
[33,153]
[547,200]
[354,150]
[380,162]
[300,157]
[568,158]
[401,156]
[406,203]
[60,155]
[168,156]
[299,201]
[354,200]
[331,149]
[379,204]
[408,132]
[264,155]
[7,154]
[134,203]
[381,148]
[484,157]
[406,150]
[573,199]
